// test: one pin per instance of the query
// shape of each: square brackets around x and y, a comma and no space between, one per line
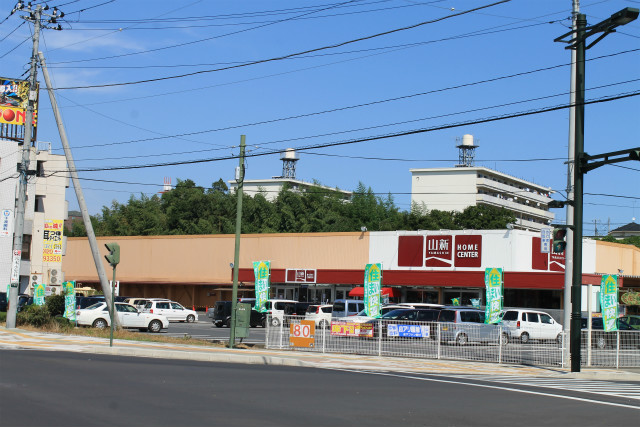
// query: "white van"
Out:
[347,307]
[526,325]
[278,308]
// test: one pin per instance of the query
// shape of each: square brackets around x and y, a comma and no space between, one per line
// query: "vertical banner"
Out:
[373,289]
[609,301]
[69,292]
[38,293]
[493,286]
[262,274]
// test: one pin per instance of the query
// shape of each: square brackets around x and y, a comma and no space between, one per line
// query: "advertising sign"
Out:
[493,285]
[14,99]
[38,293]
[372,289]
[6,220]
[412,331]
[302,334]
[468,251]
[351,329]
[439,251]
[15,266]
[545,240]
[609,301]
[69,292]
[52,240]
[300,275]
[261,273]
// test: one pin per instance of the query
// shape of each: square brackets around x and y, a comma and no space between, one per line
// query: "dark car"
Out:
[603,339]
[3,301]
[24,300]
[222,316]
[407,322]
[84,302]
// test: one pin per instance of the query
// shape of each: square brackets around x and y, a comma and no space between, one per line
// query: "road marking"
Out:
[496,387]
[607,388]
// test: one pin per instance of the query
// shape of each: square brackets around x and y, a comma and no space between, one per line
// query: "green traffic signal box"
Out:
[243,318]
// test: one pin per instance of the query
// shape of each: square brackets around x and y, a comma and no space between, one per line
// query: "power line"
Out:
[375,138]
[333,46]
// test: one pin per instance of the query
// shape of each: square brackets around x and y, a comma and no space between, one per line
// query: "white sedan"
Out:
[97,316]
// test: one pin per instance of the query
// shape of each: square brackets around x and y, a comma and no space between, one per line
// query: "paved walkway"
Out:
[22,339]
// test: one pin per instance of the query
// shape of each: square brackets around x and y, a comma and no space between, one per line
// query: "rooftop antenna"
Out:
[289,160]
[466,152]
[167,185]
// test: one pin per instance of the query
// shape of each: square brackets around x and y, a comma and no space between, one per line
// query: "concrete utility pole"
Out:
[236,255]
[568,252]
[102,275]
[23,169]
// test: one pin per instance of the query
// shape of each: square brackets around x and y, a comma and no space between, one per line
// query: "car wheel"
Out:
[227,323]
[275,322]
[100,324]
[155,326]
[504,339]
[462,339]
[263,322]
[219,325]
[191,318]
[601,342]
[524,338]
[323,324]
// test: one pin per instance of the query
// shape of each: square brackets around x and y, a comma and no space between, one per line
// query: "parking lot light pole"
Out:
[577,40]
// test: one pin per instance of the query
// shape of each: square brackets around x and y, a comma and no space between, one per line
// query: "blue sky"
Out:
[424,76]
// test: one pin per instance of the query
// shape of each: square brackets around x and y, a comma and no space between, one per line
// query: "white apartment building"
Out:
[270,188]
[454,189]
[45,210]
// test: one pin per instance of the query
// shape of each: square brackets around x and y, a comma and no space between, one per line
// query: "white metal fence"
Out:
[454,341]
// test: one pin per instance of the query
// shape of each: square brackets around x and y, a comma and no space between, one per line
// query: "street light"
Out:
[577,39]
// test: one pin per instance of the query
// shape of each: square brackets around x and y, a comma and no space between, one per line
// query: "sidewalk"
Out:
[22,339]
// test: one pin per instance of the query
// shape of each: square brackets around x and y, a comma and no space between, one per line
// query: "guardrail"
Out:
[453,341]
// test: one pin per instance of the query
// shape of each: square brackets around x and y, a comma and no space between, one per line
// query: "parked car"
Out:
[418,322]
[23,301]
[171,310]
[221,315]
[97,316]
[526,325]
[362,317]
[139,303]
[463,325]
[320,313]
[632,319]
[279,308]
[84,302]
[347,307]
[603,339]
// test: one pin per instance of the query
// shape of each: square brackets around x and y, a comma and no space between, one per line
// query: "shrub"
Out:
[55,305]
[3,316]
[63,323]
[34,315]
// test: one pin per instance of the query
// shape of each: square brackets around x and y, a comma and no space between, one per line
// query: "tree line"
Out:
[190,209]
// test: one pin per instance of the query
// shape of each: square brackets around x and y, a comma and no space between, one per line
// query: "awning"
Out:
[391,292]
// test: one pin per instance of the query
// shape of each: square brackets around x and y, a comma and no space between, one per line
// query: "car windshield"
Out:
[395,314]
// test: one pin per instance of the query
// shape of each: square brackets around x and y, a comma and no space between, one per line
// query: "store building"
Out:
[420,266]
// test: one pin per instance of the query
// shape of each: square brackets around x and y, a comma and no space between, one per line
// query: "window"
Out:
[447,316]
[532,317]
[39,204]
[40,168]
[470,316]
[26,247]
[510,315]
[176,306]
[163,305]
[545,318]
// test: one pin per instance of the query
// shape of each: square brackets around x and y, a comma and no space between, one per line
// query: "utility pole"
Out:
[568,252]
[23,167]
[93,244]
[236,254]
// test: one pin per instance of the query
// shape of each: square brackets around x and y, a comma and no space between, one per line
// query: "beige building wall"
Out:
[205,259]
[612,257]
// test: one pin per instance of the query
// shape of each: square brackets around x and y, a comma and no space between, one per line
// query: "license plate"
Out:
[445,328]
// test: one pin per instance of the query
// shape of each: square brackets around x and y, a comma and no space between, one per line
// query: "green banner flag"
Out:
[69,292]
[262,273]
[493,285]
[609,301]
[373,289]
[38,294]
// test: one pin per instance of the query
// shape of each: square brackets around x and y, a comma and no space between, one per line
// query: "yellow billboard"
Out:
[14,98]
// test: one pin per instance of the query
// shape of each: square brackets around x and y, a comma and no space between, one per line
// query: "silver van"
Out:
[463,325]
[347,307]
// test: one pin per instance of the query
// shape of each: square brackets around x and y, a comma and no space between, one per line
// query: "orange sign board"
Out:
[302,334]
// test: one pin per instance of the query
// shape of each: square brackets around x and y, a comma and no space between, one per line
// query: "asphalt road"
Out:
[62,389]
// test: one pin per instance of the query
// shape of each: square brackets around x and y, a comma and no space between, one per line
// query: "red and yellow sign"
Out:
[14,99]
[52,240]
[353,329]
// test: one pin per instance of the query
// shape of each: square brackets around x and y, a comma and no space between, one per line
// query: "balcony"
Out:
[518,208]
[491,185]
